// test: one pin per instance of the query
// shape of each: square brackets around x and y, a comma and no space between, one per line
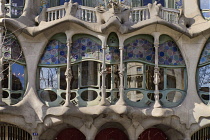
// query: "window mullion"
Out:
[156,71]
[165,78]
[103,73]
[10,77]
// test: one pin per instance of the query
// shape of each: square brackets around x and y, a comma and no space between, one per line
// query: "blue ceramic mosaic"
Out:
[139,49]
[85,48]
[169,54]
[55,53]
[11,48]
[205,56]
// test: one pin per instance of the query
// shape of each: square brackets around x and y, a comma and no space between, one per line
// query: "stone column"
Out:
[103,74]
[69,76]
[2,10]
[1,65]
[156,71]
[121,100]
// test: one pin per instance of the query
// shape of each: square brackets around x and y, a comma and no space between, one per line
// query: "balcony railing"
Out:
[86,13]
[55,13]
[137,14]
[170,15]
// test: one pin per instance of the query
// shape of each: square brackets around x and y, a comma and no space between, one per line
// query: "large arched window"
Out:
[86,65]
[205,8]
[51,71]
[14,70]
[203,74]
[139,58]
[86,58]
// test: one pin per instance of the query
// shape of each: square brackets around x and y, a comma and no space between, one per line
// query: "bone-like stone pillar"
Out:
[121,100]
[156,71]
[68,74]
[103,74]
[1,65]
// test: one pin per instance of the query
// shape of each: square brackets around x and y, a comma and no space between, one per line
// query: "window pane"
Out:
[204,4]
[74,80]
[108,77]
[6,75]
[62,78]
[150,78]
[17,77]
[204,78]
[89,73]
[175,78]
[116,76]
[134,75]
[48,78]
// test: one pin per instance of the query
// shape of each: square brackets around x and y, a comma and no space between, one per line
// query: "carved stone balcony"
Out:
[100,14]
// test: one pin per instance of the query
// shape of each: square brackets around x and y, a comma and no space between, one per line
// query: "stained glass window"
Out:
[139,49]
[204,73]
[14,69]
[11,48]
[55,53]
[169,54]
[205,56]
[205,6]
[85,47]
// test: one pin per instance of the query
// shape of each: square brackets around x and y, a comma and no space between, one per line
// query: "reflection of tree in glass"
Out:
[48,78]
[204,78]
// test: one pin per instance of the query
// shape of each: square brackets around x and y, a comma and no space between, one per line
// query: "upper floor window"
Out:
[205,6]
[139,58]
[14,70]
[14,8]
[51,71]
[203,74]
[165,3]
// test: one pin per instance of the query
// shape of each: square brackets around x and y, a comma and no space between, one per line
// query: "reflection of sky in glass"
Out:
[206,14]
[204,4]
[18,72]
[48,78]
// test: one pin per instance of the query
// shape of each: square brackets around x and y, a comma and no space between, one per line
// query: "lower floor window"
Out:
[14,82]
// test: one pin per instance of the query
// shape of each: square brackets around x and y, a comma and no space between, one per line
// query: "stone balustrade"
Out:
[55,13]
[169,14]
[86,13]
[139,14]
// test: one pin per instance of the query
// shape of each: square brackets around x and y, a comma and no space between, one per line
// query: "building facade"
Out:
[104,70]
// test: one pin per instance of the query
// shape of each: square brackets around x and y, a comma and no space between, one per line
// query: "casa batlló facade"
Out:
[104,70]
